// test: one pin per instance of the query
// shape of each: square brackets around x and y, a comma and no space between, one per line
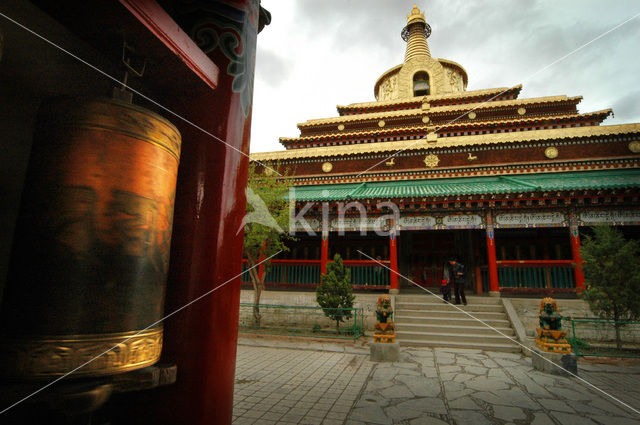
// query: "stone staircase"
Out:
[426,321]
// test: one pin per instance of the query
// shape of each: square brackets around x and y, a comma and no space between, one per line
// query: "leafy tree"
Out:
[612,274]
[266,226]
[335,293]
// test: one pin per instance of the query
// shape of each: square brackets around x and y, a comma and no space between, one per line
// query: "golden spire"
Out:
[415,34]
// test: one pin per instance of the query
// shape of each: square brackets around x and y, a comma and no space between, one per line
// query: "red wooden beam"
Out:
[534,262]
[152,16]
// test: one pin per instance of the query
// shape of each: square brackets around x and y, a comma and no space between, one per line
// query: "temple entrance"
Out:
[423,254]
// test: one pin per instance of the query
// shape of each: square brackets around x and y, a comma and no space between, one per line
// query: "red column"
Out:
[206,251]
[494,288]
[577,258]
[324,253]
[478,281]
[393,262]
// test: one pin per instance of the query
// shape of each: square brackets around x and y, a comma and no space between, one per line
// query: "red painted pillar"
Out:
[393,261]
[206,251]
[494,287]
[577,258]
[478,281]
[324,253]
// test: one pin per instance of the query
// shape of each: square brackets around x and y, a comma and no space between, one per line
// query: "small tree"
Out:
[612,274]
[335,294]
[265,227]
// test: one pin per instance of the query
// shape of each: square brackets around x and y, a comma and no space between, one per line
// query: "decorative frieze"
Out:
[614,217]
[530,219]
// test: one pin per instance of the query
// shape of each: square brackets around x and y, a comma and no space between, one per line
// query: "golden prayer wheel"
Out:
[91,247]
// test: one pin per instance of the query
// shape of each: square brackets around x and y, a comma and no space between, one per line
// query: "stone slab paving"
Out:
[292,386]
[427,386]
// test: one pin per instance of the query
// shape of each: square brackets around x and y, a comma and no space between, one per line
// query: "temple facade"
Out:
[430,171]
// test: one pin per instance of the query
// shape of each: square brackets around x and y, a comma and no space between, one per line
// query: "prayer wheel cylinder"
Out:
[91,248]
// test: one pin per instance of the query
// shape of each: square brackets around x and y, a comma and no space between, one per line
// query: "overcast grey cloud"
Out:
[318,54]
[275,68]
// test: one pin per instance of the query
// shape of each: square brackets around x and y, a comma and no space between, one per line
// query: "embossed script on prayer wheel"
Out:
[91,247]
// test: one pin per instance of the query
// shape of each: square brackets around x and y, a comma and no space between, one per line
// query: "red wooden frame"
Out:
[165,29]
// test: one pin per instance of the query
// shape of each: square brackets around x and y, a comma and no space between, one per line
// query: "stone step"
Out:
[472,299]
[483,315]
[462,321]
[507,346]
[478,329]
[470,337]
[404,306]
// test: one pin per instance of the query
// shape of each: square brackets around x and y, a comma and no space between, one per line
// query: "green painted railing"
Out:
[535,274]
[532,274]
[289,272]
[368,273]
[297,274]
[591,336]
[301,273]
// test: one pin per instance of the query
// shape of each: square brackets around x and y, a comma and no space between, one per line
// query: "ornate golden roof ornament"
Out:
[415,15]
[415,34]
[431,160]
[420,74]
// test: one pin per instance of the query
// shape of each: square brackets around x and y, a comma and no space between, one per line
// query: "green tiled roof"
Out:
[606,179]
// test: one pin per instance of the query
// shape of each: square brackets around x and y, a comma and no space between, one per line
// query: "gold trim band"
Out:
[108,354]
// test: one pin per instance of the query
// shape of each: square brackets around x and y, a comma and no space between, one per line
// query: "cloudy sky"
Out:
[317,54]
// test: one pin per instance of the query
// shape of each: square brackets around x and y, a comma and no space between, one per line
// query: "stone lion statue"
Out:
[550,317]
[384,311]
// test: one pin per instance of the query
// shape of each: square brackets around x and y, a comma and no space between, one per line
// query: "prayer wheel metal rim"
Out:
[36,357]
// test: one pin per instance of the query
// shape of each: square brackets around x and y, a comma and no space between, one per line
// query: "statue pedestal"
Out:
[554,341]
[555,363]
[384,352]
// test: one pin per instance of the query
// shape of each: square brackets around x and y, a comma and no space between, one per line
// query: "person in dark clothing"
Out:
[458,277]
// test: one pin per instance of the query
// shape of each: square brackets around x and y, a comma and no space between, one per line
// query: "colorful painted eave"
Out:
[449,142]
[420,100]
[551,182]
[441,109]
[424,128]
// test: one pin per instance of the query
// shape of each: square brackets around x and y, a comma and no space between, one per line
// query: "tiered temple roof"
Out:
[424,124]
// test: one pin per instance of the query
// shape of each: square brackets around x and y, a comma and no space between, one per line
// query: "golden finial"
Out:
[415,15]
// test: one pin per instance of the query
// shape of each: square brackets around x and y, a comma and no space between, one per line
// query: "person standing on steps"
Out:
[445,285]
[458,276]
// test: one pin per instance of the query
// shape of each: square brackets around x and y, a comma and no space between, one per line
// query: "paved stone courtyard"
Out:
[428,386]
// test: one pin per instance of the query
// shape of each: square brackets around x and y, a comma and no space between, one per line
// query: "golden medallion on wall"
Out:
[551,152]
[327,167]
[472,115]
[381,123]
[341,127]
[634,146]
[425,119]
[431,160]
[522,111]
